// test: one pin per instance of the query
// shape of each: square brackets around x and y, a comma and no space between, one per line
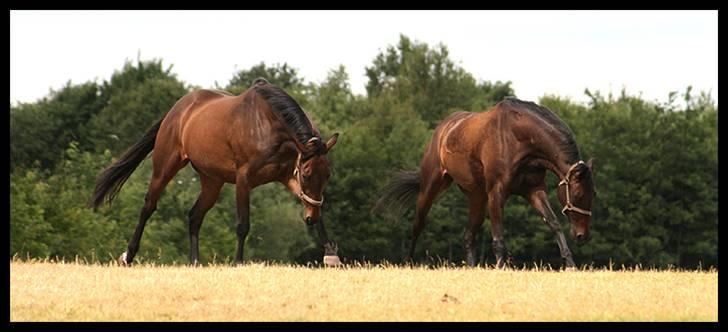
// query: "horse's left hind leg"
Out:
[161,176]
[430,188]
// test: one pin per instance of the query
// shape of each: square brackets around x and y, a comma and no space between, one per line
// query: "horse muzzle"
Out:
[582,238]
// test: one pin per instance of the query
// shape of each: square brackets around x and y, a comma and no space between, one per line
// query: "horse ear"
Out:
[331,142]
[580,172]
[590,164]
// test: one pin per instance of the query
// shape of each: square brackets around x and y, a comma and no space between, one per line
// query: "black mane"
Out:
[287,110]
[567,141]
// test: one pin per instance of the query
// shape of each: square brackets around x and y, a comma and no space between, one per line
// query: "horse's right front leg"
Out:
[242,198]
[540,201]
[476,216]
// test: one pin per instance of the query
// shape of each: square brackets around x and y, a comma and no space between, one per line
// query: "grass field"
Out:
[44,291]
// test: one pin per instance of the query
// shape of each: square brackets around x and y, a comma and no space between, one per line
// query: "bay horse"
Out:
[257,137]
[491,155]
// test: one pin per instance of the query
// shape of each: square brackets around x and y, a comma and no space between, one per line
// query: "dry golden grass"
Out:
[44,291]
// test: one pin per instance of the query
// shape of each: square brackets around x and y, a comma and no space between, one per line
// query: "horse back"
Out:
[210,128]
[183,110]
[443,150]
[471,146]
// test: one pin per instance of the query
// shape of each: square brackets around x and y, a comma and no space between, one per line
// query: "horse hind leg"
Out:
[161,176]
[427,196]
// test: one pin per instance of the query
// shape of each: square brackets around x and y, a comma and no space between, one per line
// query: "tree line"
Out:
[656,170]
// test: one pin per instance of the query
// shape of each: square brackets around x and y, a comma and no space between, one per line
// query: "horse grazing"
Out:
[490,156]
[257,137]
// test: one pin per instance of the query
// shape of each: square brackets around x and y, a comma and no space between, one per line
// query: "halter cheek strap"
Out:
[297,174]
[569,206]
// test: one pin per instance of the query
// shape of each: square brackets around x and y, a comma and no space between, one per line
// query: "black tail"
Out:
[111,179]
[399,194]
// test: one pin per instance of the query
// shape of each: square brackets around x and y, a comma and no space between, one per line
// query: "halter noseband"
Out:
[569,206]
[297,174]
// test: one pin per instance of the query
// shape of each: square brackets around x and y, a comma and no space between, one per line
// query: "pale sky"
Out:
[540,52]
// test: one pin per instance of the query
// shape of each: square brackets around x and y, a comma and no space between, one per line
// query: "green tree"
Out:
[283,76]
[39,132]
[331,105]
[426,77]
[136,97]
[656,170]
[48,214]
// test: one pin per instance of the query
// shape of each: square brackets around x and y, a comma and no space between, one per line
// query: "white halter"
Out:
[569,206]
[297,174]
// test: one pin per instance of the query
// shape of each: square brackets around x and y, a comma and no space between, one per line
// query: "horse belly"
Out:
[213,165]
[209,153]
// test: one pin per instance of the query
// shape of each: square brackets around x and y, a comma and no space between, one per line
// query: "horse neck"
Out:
[299,148]
[552,156]
[288,144]
[289,136]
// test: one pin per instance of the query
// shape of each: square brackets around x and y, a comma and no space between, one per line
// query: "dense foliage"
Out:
[656,170]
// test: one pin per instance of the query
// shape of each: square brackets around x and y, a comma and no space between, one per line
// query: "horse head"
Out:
[576,193]
[312,172]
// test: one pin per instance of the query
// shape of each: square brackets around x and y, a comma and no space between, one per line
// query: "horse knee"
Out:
[553,224]
[191,214]
[417,229]
[242,229]
[150,204]
[418,226]
[469,238]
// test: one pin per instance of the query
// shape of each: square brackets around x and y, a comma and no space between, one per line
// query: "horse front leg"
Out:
[210,190]
[496,201]
[539,200]
[242,198]
[331,257]
[476,216]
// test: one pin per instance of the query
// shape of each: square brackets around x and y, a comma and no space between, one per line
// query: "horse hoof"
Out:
[332,261]
[122,260]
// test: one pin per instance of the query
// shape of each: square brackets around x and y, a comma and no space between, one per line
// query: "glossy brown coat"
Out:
[257,137]
[491,155]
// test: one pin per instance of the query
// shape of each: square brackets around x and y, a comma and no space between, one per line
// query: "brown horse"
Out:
[257,137]
[492,155]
